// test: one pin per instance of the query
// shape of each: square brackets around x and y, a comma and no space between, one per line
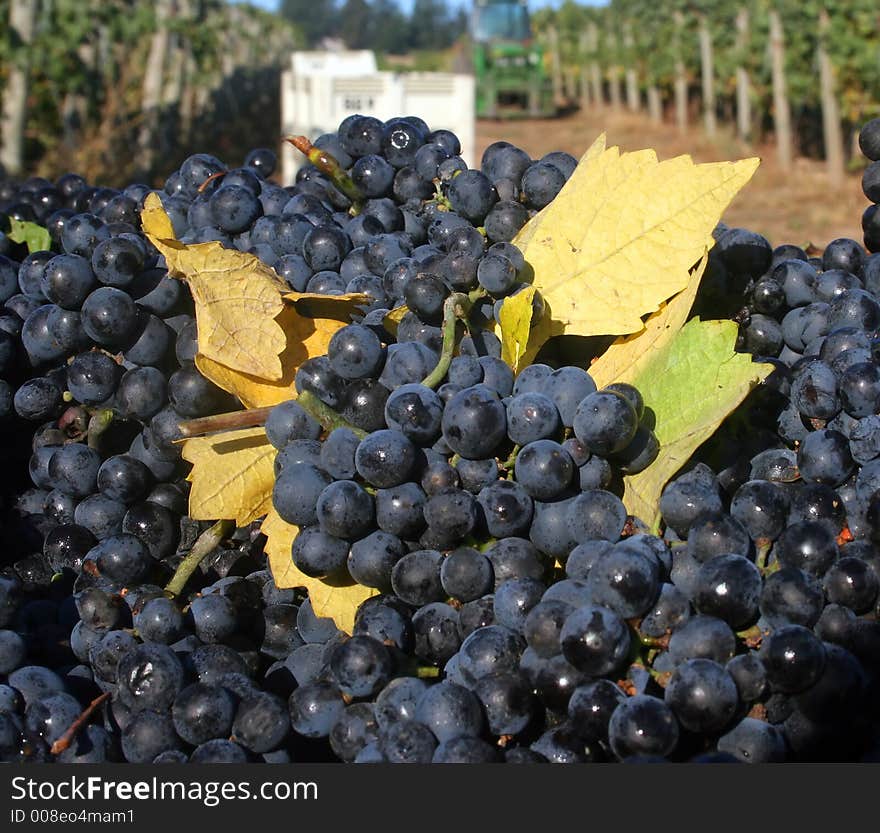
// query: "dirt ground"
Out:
[800,207]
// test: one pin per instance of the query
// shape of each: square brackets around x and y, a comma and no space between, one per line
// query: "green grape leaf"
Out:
[690,383]
[35,237]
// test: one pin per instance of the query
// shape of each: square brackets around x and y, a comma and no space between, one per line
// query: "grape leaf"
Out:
[237,298]
[337,599]
[392,319]
[338,307]
[34,236]
[621,235]
[232,475]
[690,382]
[305,337]
[520,341]
[627,353]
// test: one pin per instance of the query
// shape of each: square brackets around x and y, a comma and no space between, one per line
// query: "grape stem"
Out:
[67,738]
[455,309]
[251,418]
[328,165]
[324,414]
[205,544]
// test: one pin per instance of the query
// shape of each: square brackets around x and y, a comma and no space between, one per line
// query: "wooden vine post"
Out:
[681,87]
[743,83]
[832,132]
[781,111]
[633,102]
[707,70]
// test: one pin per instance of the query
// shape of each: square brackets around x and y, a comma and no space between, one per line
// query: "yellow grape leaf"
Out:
[392,319]
[621,360]
[339,307]
[237,298]
[520,341]
[338,600]
[155,221]
[595,150]
[621,235]
[690,383]
[516,324]
[306,338]
[232,475]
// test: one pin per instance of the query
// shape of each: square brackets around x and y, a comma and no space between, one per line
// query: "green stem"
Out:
[762,551]
[324,414]
[456,307]
[206,543]
[98,424]
[328,165]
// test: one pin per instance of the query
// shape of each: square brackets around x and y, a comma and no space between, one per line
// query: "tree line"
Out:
[380,25]
[118,89]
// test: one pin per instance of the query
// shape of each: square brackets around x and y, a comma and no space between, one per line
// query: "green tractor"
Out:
[511,79]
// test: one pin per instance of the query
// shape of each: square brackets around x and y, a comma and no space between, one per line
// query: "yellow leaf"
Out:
[306,338]
[621,360]
[520,341]
[595,150]
[690,383]
[237,299]
[232,475]
[155,222]
[392,319]
[621,235]
[338,600]
[339,307]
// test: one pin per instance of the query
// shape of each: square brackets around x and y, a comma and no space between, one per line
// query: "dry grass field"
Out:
[797,208]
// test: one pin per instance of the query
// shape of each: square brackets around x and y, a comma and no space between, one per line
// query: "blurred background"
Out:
[124,90]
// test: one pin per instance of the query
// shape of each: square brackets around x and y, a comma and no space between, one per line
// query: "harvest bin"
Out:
[322,88]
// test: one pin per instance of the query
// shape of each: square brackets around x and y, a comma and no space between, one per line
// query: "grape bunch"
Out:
[521,615]
[869,142]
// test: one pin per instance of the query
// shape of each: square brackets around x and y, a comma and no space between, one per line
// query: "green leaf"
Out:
[36,237]
[691,384]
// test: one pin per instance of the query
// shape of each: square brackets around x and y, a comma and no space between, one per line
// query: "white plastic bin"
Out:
[318,93]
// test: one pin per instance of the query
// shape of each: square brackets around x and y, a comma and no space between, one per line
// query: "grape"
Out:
[148,735]
[474,422]
[110,317]
[595,640]
[385,458]
[605,422]
[416,577]
[531,416]
[150,677]
[315,708]
[729,586]
[201,713]
[702,695]
[93,377]
[625,581]
[642,725]
[68,279]
[793,658]
[345,510]
[702,637]
[544,469]
[74,469]
[416,412]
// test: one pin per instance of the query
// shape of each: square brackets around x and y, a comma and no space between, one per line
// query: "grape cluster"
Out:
[521,615]
[869,142]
